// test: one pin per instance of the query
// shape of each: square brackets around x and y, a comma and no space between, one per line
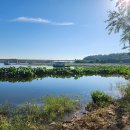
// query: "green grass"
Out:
[98,97]
[124,90]
[124,102]
[99,100]
[34,117]
[58,106]
[16,123]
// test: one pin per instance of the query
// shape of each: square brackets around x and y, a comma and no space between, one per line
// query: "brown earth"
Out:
[108,118]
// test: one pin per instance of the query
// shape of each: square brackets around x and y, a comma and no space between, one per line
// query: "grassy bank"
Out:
[27,74]
[33,117]
[104,113]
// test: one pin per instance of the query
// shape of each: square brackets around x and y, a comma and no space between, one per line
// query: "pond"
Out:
[21,92]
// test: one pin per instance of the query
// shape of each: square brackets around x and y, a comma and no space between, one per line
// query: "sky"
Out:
[56,29]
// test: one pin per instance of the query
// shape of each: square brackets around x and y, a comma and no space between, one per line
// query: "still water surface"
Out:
[21,92]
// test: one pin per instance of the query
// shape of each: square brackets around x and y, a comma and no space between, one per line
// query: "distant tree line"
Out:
[111,58]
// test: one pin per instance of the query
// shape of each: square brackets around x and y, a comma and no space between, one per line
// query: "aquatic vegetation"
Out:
[124,90]
[55,107]
[99,100]
[16,123]
[124,102]
[31,116]
[98,97]
[103,113]
[13,74]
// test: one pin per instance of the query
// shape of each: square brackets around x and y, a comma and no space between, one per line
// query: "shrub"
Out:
[99,100]
[99,97]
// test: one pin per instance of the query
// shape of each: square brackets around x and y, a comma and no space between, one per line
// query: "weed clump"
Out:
[99,100]
[98,97]
[31,116]
[57,106]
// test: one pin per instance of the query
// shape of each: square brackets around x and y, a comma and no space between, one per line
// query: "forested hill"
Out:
[111,58]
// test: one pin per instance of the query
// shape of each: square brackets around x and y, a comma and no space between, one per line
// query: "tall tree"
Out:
[119,20]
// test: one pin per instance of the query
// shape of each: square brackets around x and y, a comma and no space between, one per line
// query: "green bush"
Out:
[99,97]
[13,74]
[99,100]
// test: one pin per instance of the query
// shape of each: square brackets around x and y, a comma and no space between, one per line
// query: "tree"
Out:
[119,20]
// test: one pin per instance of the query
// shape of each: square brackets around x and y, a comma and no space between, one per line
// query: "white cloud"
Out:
[41,20]
[35,20]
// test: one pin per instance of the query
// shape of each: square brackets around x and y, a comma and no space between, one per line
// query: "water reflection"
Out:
[20,92]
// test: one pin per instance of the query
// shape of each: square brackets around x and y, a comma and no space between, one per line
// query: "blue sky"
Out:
[55,29]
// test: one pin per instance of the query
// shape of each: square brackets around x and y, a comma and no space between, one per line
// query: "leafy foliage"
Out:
[119,19]
[13,74]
